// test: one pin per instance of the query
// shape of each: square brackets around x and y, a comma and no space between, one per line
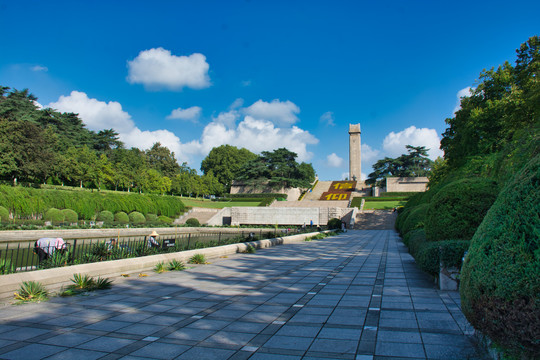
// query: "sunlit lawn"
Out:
[383,205]
[205,203]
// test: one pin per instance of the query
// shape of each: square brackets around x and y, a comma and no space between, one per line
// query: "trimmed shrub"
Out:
[4,214]
[415,219]
[334,223]
[500,284]
[415,240]
[449,253]
[151,217]
[165,219]
[458,208]
[136,217]
[193,222]
[106,216]
[121,217]
[70,216]
[54,215]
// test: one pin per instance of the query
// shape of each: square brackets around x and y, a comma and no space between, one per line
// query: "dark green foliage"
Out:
[501,275]
[54,215]
[151,217]
[136,217]
[458,208]
[121,217]
[175,265]
[4,214]
[6,267]
[449,253]
[225,162]
[165,219]
[334,223]
[415,240]
[106,216]
[28,202]
[70,216]
[415,219]
[256,196]
[398,194]
[193,222]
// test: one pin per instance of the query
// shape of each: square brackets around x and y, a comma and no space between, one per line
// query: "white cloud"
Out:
[461,93]
[394,143]
[38,105]
[238,103]
[282,113]
[333,160]
[97,115]
[39,68]
[328,118]
[368,154]
[190,114]
[159,69]
[246,83]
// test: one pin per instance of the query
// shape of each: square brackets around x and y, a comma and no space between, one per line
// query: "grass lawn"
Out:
[205,203]
[383,205]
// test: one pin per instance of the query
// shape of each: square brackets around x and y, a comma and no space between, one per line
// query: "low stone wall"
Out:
[55,278]
[406,184]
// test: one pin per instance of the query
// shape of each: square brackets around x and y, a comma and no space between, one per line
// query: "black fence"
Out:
[26,256]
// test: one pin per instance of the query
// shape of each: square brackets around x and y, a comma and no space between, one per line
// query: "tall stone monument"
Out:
[355,162]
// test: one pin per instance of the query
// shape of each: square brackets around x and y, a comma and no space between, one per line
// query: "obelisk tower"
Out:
[355,162]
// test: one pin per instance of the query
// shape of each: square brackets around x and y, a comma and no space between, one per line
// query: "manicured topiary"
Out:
[415,219]
[431,254]
[136,217]
[334,223]
[70,216]
[151,217]
[500,284]
[165,219]
[54,215]
[457,209]
[4,214]
[193,222]
[105,216]
[402,216]
[121,217]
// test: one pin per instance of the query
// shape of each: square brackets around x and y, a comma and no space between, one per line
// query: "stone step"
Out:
[375,220]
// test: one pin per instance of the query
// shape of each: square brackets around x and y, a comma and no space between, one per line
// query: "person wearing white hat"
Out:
[152,242]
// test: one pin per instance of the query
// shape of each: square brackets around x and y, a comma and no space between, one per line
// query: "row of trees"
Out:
[46,146]
[414,163]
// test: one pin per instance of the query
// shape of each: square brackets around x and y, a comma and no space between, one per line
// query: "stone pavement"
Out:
[358,296]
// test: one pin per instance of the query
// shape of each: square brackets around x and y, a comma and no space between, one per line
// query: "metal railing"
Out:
[25,256]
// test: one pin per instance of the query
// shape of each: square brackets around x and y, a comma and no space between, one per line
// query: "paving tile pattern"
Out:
[357,296]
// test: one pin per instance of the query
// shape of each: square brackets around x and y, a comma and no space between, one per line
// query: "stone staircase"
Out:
[315,194]
[375,220]
[201,214]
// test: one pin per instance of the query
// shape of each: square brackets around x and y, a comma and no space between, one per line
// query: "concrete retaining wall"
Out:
[54,278]
[406,184]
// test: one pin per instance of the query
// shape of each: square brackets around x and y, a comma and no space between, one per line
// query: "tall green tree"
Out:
[226,162]
[162,159]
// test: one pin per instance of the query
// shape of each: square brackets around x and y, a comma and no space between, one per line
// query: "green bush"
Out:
[70,216]
[402,216]
[334,223]
[151,217]
[54,215]
[165,219]
[136,217]
[121,217]
[500,284]
[193,222]
[457,209]
[415,219]
[449,253]
[415,240]
[106,216]
[4,214]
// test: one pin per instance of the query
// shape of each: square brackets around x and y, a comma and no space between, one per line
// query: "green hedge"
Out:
[334,223]
[500,284]
[136,217]
[151,217]
[457,209]
[400,195]
[415,218]
[193,222]
[449,253]
[165,219]
[121,217]
[263,195]
[105,216]
[29,202]
[54,215]
[4,214]
[70,216]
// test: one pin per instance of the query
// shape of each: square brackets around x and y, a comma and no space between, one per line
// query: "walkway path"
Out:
[354,296]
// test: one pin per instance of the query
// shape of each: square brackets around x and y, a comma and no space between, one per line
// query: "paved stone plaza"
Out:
[358,295]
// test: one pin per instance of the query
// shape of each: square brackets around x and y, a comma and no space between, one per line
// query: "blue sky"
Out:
[261,74]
